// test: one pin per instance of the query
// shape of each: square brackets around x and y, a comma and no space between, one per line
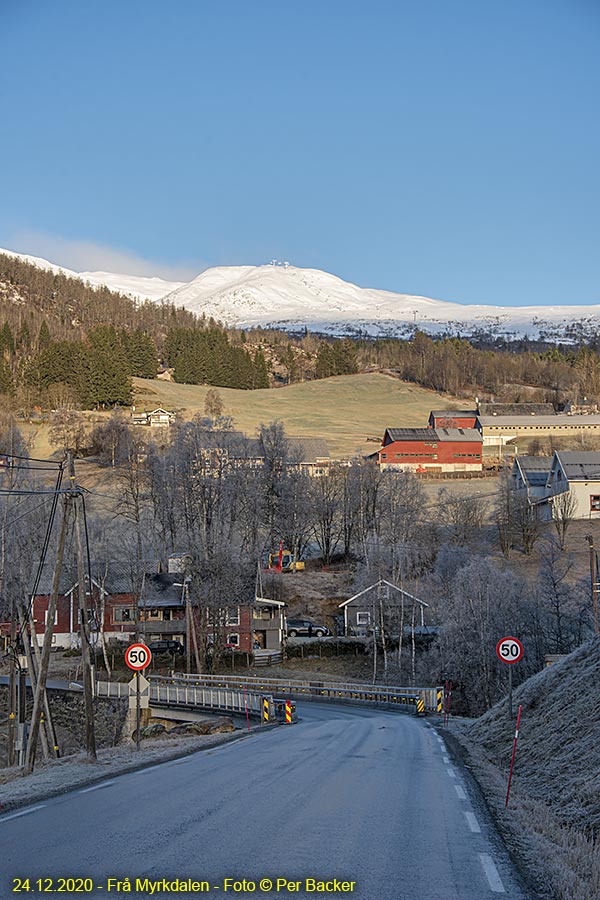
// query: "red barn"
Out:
[453,418]
[431,449]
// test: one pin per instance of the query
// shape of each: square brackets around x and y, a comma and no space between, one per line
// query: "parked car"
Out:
[305,628]
[166,647]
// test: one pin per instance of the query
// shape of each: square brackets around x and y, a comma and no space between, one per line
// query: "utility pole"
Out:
[593,580]
[12,690]
[40,688]
[88,699]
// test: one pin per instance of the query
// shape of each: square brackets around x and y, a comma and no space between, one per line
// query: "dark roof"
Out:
[516,409]
[535,469]
[432,434]
[410,434]
[580,465]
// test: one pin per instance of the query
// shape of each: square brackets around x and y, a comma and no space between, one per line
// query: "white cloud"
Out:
[88,256]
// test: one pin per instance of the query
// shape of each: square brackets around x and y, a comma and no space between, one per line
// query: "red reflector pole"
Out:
[514,750]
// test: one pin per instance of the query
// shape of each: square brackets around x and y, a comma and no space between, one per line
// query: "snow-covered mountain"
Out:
[290,298]
[139,286]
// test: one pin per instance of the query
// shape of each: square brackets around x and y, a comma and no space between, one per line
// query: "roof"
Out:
[453,413]
[265,601]
[535,469]
[432,434]
[309,449]
[555,420]
[516,409]
[583,465]
[382,583]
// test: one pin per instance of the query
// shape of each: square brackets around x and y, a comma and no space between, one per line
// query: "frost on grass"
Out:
[553,822]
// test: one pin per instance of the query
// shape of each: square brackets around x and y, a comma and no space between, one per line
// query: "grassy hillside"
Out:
[347,410]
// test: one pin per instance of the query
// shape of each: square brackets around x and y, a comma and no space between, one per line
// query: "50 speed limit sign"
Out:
[137,657]
[509,650]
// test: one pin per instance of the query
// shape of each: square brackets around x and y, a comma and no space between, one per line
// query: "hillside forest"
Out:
[63,342]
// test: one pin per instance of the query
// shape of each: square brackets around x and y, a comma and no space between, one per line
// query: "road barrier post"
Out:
[514,750]
[265,713]
[288,712]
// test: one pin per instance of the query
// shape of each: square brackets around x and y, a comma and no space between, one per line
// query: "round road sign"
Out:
[509,650]
[137,657]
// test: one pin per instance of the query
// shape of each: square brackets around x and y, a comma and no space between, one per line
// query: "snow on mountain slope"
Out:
[135,285]
[138,286]
[290,298]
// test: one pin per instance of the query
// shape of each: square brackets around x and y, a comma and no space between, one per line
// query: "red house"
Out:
[453,418]
[431,449]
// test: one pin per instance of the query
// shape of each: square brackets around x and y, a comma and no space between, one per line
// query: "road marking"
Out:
[24,812]
[460,791]
[491,873]
[95,787]
[450,772]
[473,823]
[446,759]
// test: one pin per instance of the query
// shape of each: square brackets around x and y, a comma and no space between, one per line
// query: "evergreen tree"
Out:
[44,338]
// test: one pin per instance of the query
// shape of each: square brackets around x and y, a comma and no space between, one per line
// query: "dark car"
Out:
[166,647]
[304,628]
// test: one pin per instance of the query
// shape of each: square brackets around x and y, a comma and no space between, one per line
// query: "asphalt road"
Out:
[350,794]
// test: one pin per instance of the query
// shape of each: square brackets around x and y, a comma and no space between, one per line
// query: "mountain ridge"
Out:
[294,299]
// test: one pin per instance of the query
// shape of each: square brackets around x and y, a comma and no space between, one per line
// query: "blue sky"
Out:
[449,149]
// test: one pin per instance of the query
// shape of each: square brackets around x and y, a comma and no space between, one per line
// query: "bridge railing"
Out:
[223,698]
[418,700]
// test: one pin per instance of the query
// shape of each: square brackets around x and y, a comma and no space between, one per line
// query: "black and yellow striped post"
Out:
[420,707]
[265,712]
[440,700]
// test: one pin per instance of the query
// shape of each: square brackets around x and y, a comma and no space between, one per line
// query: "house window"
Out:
[260,613]
[55,616]
[233,616]
[123,614]
[233,639]
[154,614]
[595,502]
[363,618]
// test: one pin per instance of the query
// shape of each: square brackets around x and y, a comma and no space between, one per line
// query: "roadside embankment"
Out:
[552,824]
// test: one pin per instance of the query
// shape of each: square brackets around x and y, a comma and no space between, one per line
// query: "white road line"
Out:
[446,759]
[24,812]
[95,787]
[450,772]
[491,873]
[460,791]
[473,823]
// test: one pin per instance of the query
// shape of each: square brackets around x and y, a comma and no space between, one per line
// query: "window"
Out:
[154,614]
[233,639]
[263,613]
[595,502]
[55,616]
[123,614]
[363,618]
[233,616]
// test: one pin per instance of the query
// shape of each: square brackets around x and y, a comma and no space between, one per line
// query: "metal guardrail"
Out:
[418,700]
[267,657]
[215,698]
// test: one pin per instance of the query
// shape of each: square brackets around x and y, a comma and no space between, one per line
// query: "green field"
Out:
[349,411]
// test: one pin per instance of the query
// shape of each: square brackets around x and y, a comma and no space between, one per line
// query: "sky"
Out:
[447,149]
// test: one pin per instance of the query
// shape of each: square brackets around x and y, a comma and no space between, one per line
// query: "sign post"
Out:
[510,651]
[137,657]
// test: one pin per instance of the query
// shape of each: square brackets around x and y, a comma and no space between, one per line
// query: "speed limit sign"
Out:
[137,657]
[509,650]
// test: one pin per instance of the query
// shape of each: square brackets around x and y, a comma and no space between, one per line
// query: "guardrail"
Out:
[418,700]
[191,696]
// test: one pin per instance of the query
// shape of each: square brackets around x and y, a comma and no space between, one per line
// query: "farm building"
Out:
[431,449]
[453,418]
[499,430]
